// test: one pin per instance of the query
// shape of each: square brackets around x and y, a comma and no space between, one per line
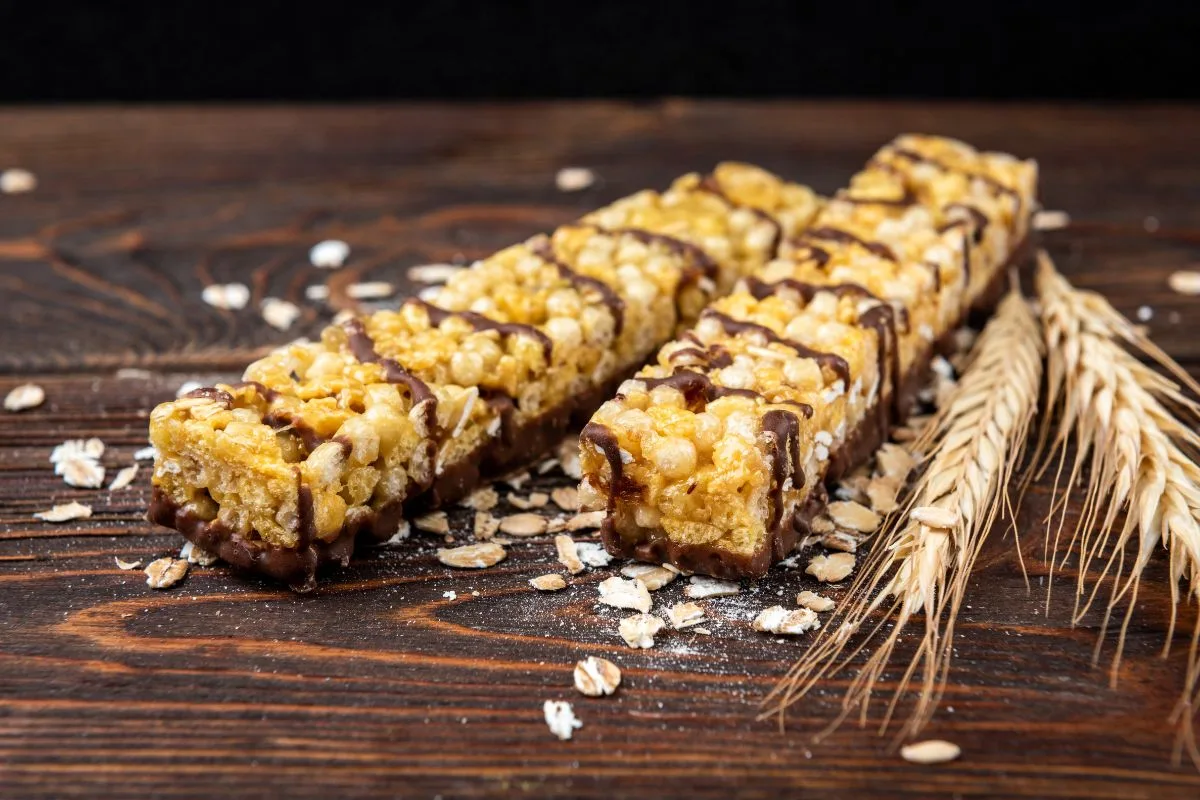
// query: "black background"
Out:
[132,51]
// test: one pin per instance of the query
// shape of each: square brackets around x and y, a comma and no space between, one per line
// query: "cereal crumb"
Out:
[126,565]
[484,499]
[831,568]
[279,314]
[639,630]
[165,572]
[197,555]
[15,180]
[597,677]
[586,520]
[1185,281]
[23,397]
[65,512]
[226,296]
[654,576]
[855,516]
[434,522]
[124,478]
[566,498]
[451,595]
[472,556]
[574,179]
[593,554]
[524,524]
[145,454]
[815,601]
[778,619]
[517,479]
[932,751]
[1145,313]
[622,593]
[560,718]
[568,553]
[329,254]
[485,525]
[702,587]
[568,457]
[317,292]
[683,615]
[534,500]
[551,582]
[1045,220]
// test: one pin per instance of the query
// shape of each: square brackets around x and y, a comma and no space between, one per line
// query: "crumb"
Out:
[472,556]
[560,718]
[702,587]
[568,553]
[433,273]
[226,296]
[24,397]
[524,524]
[574,179]
[779,620]
[933,751]
[551,582]
[597,677]
[15,180]
[683,615]
[279,314]
[65,512]
[329,254]
[124,478]
[370,290]
[434,522]
[815,601]
[165,572]
[831,568]
[622,593]
[639,630]
[655,577]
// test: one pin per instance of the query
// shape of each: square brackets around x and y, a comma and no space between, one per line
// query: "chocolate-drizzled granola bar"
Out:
[714,458]
[407,408]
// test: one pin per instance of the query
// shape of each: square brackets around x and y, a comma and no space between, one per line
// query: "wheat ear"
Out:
[1118,411]
[924,557]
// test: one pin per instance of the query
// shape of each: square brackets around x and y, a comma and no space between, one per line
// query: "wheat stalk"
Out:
[974,443]
[1118,411]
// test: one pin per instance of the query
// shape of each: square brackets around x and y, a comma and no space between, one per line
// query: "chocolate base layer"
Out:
[645,544]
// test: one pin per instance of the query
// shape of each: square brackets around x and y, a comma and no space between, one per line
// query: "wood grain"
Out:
[377,685]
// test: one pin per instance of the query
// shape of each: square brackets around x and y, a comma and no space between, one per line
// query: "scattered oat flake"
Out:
[566,498]
[547,465]
[279,314]
[165,572]
[703,586]
[25,396]
[145,454]
[1145,313]
[551,582]
[855,516]
[935,517]
[842,541]
[126,565]
[525,524]
[134,374]
[226,296]
[574,179]
[568,457]
[317,292]
[484,499]
[65,512]
[1185,281]
[485,525]
[81,472]
[433,273]
[815,601]
[472,556]
[654,576]
[517,479]
[593,554]
[597,677]
[882,494]
[933,751]
[779,620]
[702,631]
[450,595]
[1046,220]
[622,593]
[124,477]
[434,522]
[329,254]
[15,180]
[197,555]
[587,520]
[560,718]
[568,553]
[683,615]
[370,290]
[831,568]
[535,500]
[639,630]
[73,448]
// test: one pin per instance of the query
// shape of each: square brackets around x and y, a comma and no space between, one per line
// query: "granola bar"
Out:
[714,458]
[326,440]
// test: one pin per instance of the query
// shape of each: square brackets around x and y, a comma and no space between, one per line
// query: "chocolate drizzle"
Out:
[733,327]
[362,347]
[978,217]
[306,522]
[710,184]
[697,388]
[606,442]
[713,356]
[702,260]
[784,429]
[481,323]
[991,182]
[265,392]
[616,306]
[214,394]
[828,234]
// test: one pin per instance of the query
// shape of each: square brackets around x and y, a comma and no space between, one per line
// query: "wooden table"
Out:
[377,684]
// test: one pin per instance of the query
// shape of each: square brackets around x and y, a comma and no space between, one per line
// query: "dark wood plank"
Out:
[377,685]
